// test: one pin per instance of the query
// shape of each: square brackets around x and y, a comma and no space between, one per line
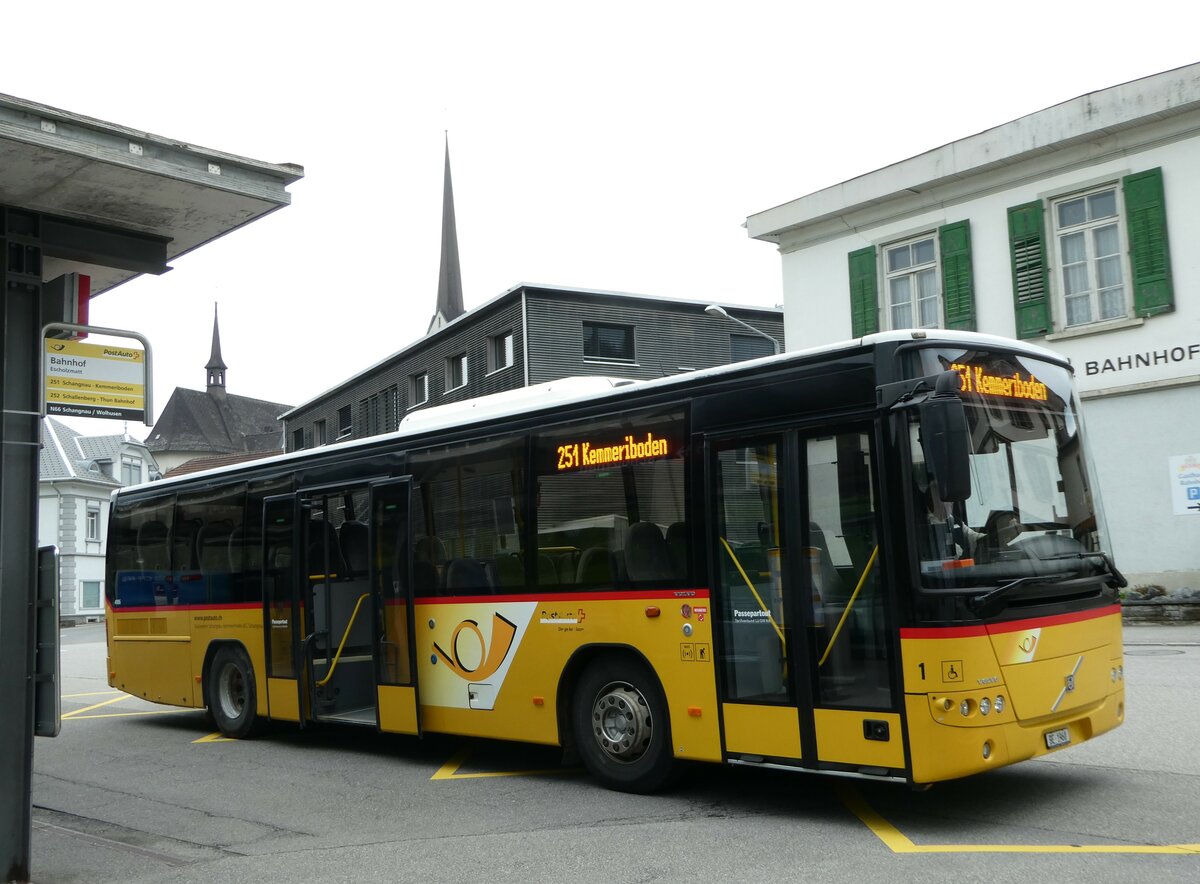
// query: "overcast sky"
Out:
[614,146]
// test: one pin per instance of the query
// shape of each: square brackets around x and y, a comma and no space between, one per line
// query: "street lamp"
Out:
[714,310]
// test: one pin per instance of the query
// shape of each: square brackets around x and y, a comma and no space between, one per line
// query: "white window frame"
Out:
[100,597]
[92,523]
[1058,235]
[500,351]
[418,389]
[911,273]
[450,363]
[129,464]
[345,416]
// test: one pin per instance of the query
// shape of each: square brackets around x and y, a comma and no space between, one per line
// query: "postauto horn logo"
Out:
[491,656]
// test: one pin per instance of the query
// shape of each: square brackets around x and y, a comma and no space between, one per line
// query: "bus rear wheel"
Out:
[232,697]
[621,728]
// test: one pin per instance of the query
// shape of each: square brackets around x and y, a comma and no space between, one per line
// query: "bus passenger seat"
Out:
[153,549]
[466,575]
[677,547]
[595,566]
[646,553]
[547,574]
[323,537]
[353,537]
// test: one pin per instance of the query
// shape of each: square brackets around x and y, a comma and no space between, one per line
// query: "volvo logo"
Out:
[1068,684]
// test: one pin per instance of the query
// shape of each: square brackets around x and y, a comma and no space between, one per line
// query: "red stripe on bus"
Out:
[1010,626]
[681,595]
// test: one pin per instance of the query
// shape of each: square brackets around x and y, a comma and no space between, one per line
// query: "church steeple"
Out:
[449,294]
[216,365]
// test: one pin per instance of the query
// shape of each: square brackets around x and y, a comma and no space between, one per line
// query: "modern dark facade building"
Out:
[529,335]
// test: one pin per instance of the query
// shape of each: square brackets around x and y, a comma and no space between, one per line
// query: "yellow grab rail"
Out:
[342,644]
[850,604]
[750,586]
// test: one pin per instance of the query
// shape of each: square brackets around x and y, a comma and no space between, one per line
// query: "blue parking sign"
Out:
[1193,492]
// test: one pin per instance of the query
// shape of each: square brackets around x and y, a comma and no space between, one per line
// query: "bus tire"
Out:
[620,724]
[232,696]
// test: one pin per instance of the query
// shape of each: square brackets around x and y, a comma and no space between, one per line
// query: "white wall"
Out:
[1131,435]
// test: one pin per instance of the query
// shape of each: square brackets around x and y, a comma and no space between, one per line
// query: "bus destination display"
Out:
[582,454]
[976,379]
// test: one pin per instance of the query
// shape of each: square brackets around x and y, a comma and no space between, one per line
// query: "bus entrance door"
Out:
[806,657]
[392,591]
[336,652]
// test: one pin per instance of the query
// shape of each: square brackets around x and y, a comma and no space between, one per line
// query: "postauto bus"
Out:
[878,559]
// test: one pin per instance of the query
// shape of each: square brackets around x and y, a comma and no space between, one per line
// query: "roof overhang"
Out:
[1109,120]
[123,202]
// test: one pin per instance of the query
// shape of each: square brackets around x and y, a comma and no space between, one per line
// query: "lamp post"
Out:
[714,310]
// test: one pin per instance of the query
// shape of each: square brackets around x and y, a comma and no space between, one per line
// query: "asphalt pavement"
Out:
[75,844]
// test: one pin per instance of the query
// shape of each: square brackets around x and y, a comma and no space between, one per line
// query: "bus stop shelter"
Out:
[78,195]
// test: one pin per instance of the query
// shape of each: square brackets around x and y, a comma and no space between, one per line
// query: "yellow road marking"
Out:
[215,738]
[78,712]
[898,842]
[92,694]
[449,770]
[129,714]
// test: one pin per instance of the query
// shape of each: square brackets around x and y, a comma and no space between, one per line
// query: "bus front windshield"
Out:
[1031,511]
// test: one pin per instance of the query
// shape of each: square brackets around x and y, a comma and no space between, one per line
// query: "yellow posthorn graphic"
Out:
[503,632]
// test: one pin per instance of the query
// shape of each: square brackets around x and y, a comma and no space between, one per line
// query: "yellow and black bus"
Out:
[878,559]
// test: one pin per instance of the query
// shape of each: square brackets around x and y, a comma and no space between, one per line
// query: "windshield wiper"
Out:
[1117,577]
[987,604]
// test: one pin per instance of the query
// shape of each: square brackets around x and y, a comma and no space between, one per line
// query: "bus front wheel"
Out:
[620,726]
[232,698]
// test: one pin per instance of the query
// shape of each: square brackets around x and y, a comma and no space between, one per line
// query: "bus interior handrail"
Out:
[341,645]
[850,604]
[750,586]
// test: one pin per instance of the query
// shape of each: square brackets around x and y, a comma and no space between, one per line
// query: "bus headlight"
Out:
[999,704]
[965,708]
[985,706]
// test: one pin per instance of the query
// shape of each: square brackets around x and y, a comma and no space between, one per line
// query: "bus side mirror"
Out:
[945,439]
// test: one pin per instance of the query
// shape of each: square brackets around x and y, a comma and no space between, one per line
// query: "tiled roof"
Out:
[67,454]
[217,424]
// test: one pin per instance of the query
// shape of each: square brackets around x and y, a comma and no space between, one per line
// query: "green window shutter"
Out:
[864,292]
[958,283]
[1149,258]
[1031,281]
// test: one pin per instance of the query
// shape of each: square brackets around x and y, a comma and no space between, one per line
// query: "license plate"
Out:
[1060,737]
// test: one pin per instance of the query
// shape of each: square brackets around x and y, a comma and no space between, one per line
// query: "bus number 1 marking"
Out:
[921,666]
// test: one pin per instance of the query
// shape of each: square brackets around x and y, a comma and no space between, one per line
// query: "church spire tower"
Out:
[216,365]
[449,294]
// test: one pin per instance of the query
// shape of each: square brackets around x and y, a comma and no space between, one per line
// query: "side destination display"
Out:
[94,380]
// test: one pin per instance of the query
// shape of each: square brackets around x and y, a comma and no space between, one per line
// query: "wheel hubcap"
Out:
[621,722]
[232,693]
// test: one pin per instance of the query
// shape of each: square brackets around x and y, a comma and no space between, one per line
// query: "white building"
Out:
[77,475]
[1070,227]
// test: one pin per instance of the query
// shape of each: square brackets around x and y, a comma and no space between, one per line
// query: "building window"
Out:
[456,372]
[603,340]
[1087,234]
[913,299]
[89,594]
[378,412]
[131,470]
[319,433]
[297,439]
[743,347]
[93,522]
[345,422]
[500,351]
[418,389]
